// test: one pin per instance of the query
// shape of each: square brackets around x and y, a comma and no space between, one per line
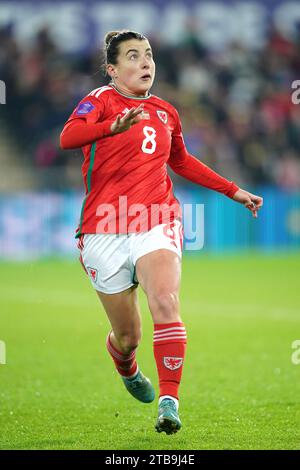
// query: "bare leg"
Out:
[124,315]
[159,274]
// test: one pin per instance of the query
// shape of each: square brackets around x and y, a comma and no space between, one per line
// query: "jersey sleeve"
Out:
[188,166]
[89,109]
[85,125]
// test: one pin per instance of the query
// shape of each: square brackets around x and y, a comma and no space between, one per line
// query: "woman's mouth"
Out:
[146,77]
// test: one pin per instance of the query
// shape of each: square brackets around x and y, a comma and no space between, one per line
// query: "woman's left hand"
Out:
[250,201]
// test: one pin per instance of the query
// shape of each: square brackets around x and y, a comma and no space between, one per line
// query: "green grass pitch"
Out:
[240,389]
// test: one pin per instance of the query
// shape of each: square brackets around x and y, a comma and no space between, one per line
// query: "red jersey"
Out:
[125,175]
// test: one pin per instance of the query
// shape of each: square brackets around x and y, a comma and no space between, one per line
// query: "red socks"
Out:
[126,364]
[169,344]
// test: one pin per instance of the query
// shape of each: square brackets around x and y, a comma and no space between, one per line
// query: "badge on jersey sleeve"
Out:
[163,116]
[85,108]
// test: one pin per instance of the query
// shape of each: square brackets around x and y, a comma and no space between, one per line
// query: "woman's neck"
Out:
[129,93]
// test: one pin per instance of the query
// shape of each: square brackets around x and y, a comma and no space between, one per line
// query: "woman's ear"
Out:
[111,71]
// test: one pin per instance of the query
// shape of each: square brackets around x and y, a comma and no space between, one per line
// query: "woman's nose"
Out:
[145,64]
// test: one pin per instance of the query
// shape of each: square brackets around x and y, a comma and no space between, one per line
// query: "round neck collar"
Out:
[132,97]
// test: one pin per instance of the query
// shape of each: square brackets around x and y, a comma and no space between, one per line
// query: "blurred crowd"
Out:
[235,105]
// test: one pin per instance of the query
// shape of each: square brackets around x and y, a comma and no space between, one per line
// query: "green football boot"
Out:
[140,388]
[168,420]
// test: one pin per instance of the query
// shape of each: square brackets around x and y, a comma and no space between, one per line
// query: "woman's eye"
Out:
[133,56]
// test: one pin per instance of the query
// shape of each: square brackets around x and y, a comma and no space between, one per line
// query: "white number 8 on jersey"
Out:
[149,143]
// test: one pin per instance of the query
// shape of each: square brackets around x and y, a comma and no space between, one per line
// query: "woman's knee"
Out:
[164,307]
[128,341]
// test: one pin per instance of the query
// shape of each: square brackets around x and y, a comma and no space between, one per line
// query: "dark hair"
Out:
[112,41]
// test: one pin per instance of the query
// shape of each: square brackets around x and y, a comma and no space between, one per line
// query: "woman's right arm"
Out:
[79,132]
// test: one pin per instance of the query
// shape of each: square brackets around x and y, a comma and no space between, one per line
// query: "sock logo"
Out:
[173,363]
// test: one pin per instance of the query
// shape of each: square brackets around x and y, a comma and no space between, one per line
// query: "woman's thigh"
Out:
[159,274]
[159,270]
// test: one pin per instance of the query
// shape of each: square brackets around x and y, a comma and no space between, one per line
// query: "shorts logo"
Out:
[173,363]
[162,116]
[85,108]
[93,273]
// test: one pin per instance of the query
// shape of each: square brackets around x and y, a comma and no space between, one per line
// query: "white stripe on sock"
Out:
[169,329]
[170,334]
[169,338]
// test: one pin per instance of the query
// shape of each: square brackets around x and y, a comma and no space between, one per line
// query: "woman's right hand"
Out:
[124,123]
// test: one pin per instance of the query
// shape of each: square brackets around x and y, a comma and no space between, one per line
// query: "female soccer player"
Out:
[130,225]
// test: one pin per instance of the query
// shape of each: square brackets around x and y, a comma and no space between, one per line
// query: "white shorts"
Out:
[110,259]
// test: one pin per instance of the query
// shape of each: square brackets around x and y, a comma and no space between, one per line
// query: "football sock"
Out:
[125,364]
[169,345]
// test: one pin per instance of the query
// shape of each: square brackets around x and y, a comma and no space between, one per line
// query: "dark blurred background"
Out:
[228,67]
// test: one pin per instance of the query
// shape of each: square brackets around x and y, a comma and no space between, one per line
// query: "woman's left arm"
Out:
[188,166]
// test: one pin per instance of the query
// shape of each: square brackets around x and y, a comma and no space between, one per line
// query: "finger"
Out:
[128,115]
[259,202]
[138,111]
[116,124]
[129,122]
[256,199]
[253,211]
[249,204]
[257,205]
[135,119]
[125,120]
[252,207]
[134,111]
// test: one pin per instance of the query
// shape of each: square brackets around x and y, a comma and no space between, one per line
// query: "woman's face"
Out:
[134,73]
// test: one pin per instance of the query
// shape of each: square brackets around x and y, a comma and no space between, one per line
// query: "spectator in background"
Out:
[236,107]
